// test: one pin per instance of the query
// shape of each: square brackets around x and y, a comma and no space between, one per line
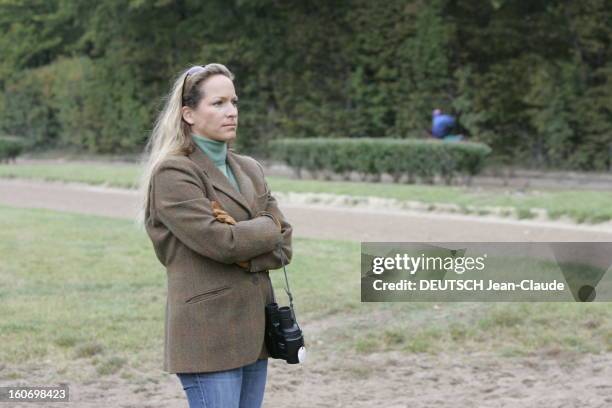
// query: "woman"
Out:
[217,230]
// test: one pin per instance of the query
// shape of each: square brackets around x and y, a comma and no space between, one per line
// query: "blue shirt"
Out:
[442,125]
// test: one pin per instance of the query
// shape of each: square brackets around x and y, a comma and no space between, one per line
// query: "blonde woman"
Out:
[217,229]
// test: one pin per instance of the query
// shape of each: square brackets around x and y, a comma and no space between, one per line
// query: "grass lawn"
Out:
[582,206]
[86,288]
[111,174]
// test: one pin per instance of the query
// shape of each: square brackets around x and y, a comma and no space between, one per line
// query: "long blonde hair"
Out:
[171,134]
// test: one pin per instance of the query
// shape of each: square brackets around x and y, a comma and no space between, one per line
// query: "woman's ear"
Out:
[187,114]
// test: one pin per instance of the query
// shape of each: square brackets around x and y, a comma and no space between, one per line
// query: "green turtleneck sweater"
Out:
[217,152]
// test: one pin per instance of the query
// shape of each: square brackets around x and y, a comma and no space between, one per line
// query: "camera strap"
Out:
[287,289]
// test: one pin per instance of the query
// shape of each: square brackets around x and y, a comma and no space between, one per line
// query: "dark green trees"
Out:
[532,79]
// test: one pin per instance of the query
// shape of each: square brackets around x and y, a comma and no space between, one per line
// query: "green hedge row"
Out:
[9,150]
[409,158]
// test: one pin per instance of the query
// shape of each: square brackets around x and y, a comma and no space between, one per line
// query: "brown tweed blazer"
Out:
[215,308]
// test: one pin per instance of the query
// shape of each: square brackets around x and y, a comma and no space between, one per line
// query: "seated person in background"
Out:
[443,125]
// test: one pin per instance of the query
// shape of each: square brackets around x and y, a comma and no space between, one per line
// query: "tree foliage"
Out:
[531,79]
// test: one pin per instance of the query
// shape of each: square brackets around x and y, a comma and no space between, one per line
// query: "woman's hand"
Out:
[222,215]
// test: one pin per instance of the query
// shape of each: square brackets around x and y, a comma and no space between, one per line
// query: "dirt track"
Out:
[326,222]
[451,379]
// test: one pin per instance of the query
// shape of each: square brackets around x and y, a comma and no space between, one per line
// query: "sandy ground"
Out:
[332,379]
[379,380]
[390,379]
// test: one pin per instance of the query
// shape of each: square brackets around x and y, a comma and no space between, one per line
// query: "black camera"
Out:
[284,338]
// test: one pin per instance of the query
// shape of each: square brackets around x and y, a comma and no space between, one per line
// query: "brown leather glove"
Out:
[222,215]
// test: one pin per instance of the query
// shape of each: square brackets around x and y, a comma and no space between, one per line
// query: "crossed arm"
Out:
[207,229]
[272,259]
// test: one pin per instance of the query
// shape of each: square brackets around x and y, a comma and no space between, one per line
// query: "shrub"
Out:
[9,149]
[425,159]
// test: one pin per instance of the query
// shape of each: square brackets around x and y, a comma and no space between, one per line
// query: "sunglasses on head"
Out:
[193,70]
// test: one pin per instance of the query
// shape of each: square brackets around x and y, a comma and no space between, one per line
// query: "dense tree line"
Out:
[533,79]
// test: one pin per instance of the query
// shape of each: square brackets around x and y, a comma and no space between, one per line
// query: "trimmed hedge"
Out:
[425,159]
[9,150]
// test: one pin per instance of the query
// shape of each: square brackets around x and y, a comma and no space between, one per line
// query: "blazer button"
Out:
[255,280]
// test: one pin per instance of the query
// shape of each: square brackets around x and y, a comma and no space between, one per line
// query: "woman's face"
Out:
[216,116]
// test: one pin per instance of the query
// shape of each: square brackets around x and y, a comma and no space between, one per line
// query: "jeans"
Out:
[242,387]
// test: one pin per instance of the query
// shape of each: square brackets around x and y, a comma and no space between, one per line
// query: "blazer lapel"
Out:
[220,182]
[244,179]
